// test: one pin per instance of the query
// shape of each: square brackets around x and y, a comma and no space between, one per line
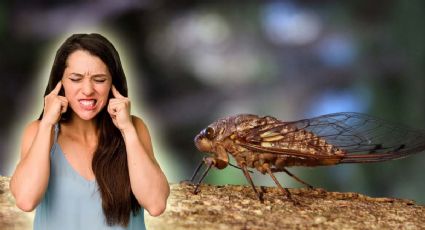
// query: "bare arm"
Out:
[31,176]
[148,182]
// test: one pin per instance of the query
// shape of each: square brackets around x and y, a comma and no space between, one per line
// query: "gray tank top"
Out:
[73,202]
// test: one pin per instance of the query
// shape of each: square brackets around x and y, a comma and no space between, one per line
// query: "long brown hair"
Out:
[110,158]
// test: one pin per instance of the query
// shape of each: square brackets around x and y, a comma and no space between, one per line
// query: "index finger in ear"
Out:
[57,88]
[116,93]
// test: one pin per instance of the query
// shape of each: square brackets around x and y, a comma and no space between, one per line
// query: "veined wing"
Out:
[358,137]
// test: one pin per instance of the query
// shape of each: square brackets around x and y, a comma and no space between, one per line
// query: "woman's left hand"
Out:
[119,109]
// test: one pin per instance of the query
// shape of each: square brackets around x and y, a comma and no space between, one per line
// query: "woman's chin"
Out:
[86,115]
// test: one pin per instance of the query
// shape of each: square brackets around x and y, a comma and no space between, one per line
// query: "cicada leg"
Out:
[285,191]
[235,166]
[194,174]
[293,176]
[196,171]
[210,164]
[248,177]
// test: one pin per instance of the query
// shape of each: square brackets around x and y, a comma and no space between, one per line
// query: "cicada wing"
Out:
[283,138]
[363,137]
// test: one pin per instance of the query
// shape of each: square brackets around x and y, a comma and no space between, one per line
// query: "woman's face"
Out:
[87,83]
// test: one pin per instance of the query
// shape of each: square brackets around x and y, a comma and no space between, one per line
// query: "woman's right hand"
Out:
[54,106]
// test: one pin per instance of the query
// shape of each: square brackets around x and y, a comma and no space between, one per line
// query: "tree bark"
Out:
[11,217]
[237,207]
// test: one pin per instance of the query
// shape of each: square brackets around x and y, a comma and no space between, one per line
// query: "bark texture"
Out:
[236,207]
[11,217]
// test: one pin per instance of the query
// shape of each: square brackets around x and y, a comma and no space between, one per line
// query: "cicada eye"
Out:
[209,133]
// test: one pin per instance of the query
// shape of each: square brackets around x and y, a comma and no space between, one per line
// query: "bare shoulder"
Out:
[28,136]
[31,129]
[139,124]
[143,131]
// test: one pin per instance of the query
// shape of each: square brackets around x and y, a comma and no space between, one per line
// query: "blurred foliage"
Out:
[201,60]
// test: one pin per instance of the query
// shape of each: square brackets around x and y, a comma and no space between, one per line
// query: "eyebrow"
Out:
[94,75]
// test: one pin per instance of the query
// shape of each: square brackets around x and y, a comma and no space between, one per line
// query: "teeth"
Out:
[87,102]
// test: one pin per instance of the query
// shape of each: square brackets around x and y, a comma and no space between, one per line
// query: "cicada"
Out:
[270,145]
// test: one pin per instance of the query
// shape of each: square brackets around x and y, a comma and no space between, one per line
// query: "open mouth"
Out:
[88,104]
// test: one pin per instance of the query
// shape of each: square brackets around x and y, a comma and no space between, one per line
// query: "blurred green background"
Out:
[192,62]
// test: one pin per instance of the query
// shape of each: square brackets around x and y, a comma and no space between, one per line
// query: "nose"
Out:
[87,88]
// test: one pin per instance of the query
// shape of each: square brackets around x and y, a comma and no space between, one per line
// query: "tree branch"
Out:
[236,207]
[11,217]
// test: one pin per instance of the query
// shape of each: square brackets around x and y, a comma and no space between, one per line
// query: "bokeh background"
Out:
[192,62]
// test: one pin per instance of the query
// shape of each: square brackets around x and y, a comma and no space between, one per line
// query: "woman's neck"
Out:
[85,131]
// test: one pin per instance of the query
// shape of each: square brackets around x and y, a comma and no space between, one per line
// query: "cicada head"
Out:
[207,139]
[218,131]
[204,140]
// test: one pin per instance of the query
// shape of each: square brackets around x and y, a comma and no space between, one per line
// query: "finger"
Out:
[116,93]
[113,101]
[116,102]
[113,116]
[111,110]
[63,103]
[64,107]
[120,107]
[63,99]
[57,89]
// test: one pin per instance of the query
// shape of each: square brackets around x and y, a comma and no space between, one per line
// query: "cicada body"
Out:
[270,145]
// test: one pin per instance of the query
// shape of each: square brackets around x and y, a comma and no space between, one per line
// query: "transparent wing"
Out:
[360,136]
[363,134]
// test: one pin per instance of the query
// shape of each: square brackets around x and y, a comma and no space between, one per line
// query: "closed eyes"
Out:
[96,80]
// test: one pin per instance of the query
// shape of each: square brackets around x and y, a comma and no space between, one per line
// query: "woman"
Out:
[86,163]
